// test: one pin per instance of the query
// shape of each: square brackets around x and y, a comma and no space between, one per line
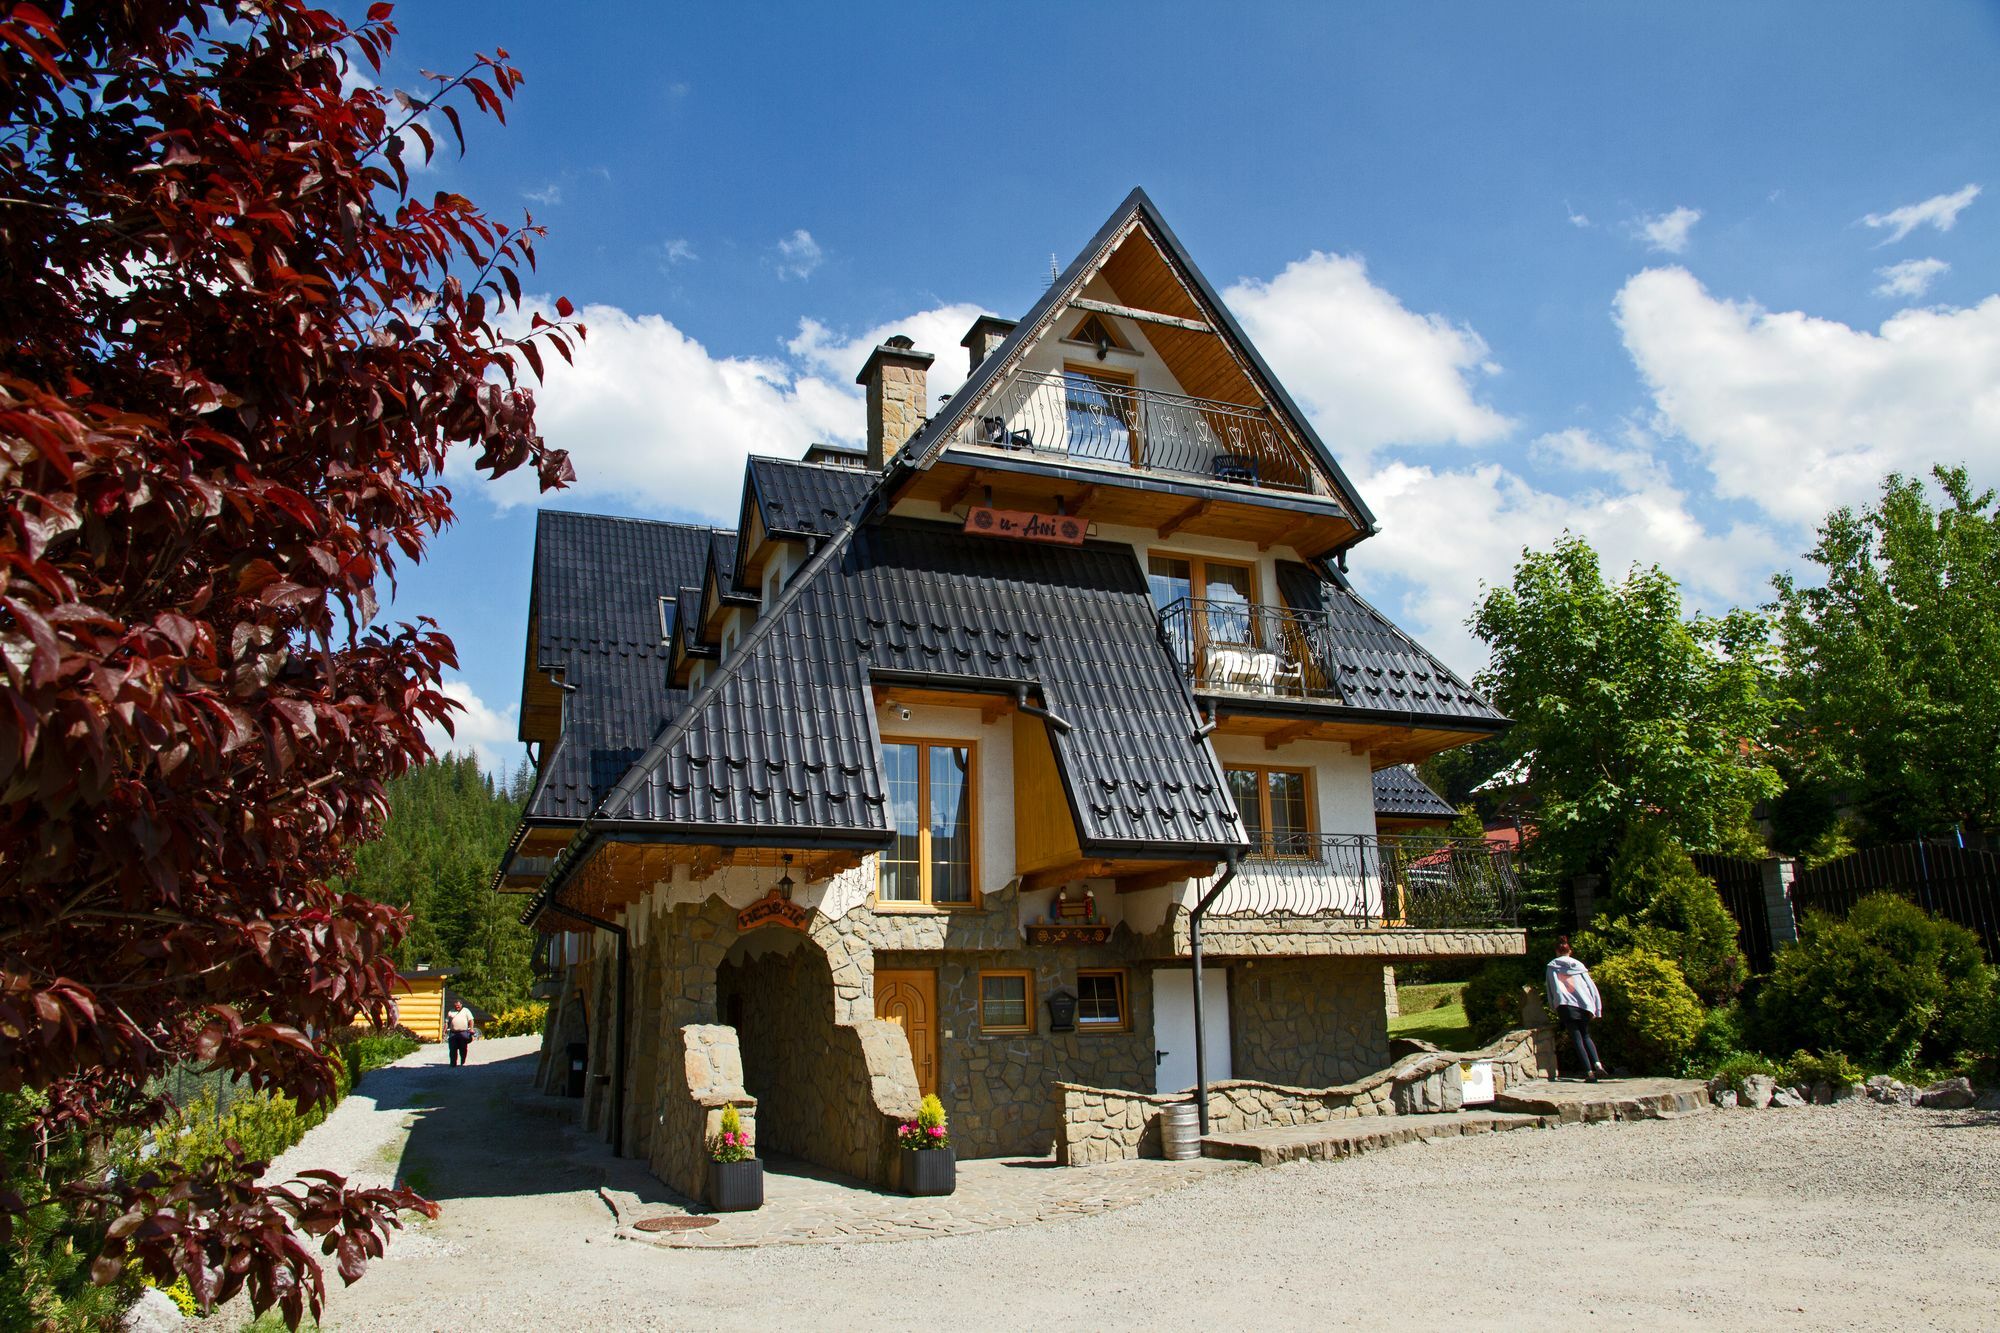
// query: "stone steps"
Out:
[1575,1102]
[1333,1140]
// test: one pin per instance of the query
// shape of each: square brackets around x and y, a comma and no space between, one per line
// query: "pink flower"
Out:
[937,1131]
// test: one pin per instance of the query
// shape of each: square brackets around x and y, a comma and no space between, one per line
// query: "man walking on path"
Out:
[459,1031]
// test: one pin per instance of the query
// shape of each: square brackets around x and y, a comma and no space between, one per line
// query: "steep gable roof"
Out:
[595,608]
[1377,667]
[1401,794]
[1137,211]
[782,740]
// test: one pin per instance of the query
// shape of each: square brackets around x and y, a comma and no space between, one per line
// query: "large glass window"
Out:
[930,806]
[1276,810]
[1099,412]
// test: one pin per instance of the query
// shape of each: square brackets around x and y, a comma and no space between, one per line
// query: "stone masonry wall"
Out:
[1308,1022]
[831,1093]
[707,1078]
[1107,1125]
[996,1087]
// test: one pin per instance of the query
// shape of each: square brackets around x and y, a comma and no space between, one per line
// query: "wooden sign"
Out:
[1059,529]
[773,910]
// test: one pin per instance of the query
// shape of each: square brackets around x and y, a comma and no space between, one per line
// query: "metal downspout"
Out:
[1200,1021]
[621,1014]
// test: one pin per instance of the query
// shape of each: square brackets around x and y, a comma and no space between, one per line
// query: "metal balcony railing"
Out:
[1413,882]
[1081,417]
[1243,648]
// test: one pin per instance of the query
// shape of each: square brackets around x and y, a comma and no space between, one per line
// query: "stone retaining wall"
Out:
[1109,1125]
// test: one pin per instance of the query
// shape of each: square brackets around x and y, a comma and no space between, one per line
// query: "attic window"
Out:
[1096,331]
[666,618]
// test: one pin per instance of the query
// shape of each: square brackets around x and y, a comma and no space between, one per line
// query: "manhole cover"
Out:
[676,1223]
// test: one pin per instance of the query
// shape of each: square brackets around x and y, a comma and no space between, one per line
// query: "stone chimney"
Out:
[894,377]
[984,338]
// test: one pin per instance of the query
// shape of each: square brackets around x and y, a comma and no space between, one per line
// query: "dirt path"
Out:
[1791,1219]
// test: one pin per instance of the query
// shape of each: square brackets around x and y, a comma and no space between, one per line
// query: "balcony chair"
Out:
[1235,467]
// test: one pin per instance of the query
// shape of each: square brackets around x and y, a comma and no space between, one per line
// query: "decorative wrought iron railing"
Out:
[1411,882]
[1082,417]
[1245,648]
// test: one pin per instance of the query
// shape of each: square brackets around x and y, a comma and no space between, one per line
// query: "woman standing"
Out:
[1574,998]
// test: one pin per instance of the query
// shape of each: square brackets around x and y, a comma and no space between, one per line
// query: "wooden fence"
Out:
[1957,883]
[1741,884]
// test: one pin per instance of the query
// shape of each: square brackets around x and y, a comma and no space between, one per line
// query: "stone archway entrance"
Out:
[775,988]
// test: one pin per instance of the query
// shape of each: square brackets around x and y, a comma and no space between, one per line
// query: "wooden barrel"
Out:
[1180,1132]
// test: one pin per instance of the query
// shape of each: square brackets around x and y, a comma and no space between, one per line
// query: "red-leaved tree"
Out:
[236,348]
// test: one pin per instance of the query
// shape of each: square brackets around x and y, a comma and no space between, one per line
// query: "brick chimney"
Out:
[984,338]
[894,377]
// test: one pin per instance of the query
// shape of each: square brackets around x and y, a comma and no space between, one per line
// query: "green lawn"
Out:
[1433,1013]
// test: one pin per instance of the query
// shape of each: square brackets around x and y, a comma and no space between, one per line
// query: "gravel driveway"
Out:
[1812,1218]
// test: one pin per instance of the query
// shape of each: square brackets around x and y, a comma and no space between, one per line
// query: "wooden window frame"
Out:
[1198,566]
[924,903]
[1027,1002]
[1263,771]
[1123,976]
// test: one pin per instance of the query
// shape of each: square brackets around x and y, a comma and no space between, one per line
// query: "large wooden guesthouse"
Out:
[927,776]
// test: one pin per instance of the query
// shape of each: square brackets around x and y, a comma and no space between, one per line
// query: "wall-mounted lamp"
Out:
[785,885]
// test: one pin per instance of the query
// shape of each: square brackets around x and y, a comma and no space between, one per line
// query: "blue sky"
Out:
[1679,277]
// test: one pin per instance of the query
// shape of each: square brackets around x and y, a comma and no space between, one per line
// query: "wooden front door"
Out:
[909,999]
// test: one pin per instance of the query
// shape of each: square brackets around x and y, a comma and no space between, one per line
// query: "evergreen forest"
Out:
[448,825]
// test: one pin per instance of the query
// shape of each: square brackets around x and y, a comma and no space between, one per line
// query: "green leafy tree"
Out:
[1629,708]
[1661,903]
[1894,660]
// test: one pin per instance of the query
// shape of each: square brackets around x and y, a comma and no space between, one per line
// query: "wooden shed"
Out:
[421,1010]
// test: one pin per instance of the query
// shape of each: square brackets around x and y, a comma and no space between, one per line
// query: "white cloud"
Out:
[677,250]
[1940,211]
[936,331]
[1798,414]
[652,416]
[1667,232]
[548,194]
[1576,219]
[486,733]
[1911,278]
[799,254]
[1445,532]
[1368,370]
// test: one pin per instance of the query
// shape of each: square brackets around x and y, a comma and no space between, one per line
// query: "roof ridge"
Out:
[1137,205]
[544,511]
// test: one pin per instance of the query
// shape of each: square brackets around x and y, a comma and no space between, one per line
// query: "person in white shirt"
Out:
[1573,996]
[459,1031]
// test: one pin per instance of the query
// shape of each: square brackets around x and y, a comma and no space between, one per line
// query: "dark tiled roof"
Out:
[1400,793]
[596,606]
[1377,667]
[810,498]
[783,739]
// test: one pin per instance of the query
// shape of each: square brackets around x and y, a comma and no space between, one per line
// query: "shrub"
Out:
[374,1051]
[928,1130]
[1493,996]
[45,1262]
[523,1020]
[1807,1069]
[1731,1072]
[732,1144]
[1651,1016]
[1884,986]
[1720,1040]
[1667,907]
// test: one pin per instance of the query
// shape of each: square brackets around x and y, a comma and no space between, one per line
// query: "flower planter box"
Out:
[736,1187]
[930,1171]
